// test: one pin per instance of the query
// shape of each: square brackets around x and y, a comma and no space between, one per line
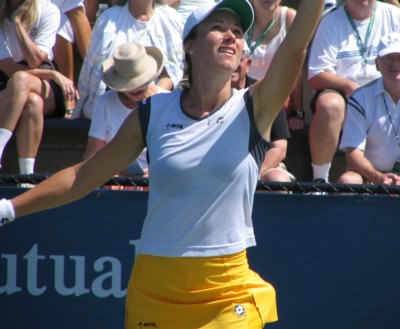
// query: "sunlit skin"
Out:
[238,77]
[360,9]
[224,39]
[222,48]
[266,4]
[131,98]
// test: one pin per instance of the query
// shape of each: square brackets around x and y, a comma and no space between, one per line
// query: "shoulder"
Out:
[369,90]
[47,8]
[290,15]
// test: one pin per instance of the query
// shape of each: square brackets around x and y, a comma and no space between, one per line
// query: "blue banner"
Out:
[334,261]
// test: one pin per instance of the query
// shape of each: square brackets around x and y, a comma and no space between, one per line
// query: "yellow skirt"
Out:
[198,292]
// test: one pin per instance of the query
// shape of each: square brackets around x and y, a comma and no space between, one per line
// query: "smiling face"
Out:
[218,44]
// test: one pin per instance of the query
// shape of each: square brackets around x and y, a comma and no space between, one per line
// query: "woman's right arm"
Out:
[270,93]
[77,181]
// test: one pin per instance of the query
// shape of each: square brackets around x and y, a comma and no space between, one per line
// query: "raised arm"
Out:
[270,92]
[77,181]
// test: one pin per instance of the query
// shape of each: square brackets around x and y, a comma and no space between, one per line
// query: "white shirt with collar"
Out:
[371,126]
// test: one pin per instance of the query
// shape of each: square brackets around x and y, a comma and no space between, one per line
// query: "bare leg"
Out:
[25,98]
[30,127]
[350,177]
[325,127]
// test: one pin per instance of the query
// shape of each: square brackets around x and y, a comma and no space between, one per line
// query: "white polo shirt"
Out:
[372,127]
[335,46]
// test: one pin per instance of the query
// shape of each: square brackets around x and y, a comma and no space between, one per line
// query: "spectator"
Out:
[34,89]
[272,169]
[140,66]
[270,27]
[371,129]
[205,148]
[74,28]
[342,58]
[142,21]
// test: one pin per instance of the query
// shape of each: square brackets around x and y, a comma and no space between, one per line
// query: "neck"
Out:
[199,101]
[265,15]
[142,10]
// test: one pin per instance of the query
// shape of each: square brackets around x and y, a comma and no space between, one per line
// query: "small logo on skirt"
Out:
[239,311]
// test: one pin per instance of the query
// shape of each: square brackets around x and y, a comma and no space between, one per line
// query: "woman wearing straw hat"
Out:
[143,21]
[205,150]
[128,74]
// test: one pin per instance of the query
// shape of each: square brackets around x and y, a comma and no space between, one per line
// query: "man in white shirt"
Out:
[371,130]
[342,58]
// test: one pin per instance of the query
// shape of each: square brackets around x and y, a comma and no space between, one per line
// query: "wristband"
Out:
[7,212]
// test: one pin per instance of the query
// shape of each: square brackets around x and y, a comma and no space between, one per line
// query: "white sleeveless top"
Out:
[203,175]
[263,54]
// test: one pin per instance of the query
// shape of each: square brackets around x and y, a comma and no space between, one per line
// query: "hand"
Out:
[69,91]
[389,179]
[7,213]
[19,13]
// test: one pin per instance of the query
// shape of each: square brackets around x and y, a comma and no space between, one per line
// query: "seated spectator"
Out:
[74,29]
[142,21]
[342,58]
[371,129]
[272,169]
[272,21]
[139,66]
[33,88]
[92,8]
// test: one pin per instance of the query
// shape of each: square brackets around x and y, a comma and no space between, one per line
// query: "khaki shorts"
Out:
[198,292]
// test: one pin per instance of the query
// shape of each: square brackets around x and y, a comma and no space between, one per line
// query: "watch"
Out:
[300,114]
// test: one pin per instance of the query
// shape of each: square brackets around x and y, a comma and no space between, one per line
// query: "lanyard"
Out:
[261,38]
[395,131]
[363,44]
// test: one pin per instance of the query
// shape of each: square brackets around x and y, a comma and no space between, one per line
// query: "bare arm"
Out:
[329,80]
[93,145]
[356,161]
[77,181]
[271,92]
[274,156]
[32,54]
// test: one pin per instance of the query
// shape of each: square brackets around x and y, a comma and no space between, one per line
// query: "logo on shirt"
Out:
[174,126]
[34,32]
[239,311]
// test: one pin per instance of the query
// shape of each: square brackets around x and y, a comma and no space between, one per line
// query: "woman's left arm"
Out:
[270,93]
[35,52]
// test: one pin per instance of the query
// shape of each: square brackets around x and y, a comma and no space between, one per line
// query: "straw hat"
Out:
[132,66]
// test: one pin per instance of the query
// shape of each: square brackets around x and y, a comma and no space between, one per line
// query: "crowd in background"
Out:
[55,56]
